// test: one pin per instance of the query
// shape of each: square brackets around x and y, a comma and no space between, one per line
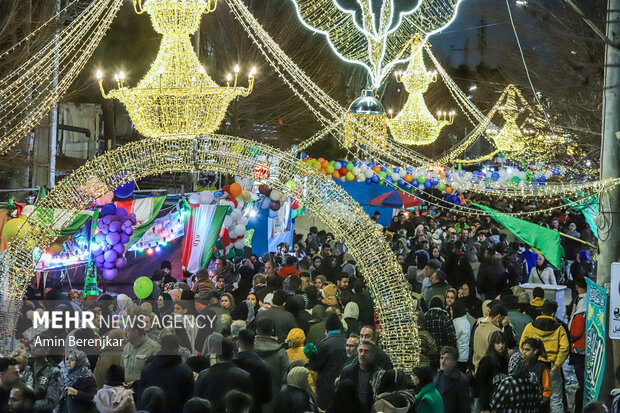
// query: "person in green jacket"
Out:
[428,399]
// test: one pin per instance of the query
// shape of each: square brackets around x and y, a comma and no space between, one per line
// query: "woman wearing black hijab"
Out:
[467,295]
[153,400]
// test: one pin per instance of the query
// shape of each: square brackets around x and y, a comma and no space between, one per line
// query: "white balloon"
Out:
[239,244]
[369,173]
[364,167]
[361,178]
[239,230]
[275,195]
[395,177]
[206,197]
[231,231]
[235,215]
[194,199]
[228,222]
[355,170]
[402,173]
[343,179]
[337,165]
[243,221]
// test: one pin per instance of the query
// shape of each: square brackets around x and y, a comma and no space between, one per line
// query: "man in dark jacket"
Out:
[363,371]
[451,383]
[168,372]
[260,373]
[283,321]
[458,269]
[439,325]
[274,354]
[382,360]
[215,382]
[364,303]
[329,360]
[45,379]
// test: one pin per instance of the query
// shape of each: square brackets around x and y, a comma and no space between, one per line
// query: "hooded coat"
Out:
[553,335]
[328,362]
[277,359]
[520,392]
[351,315]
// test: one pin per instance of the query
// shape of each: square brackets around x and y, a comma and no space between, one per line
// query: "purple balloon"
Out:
[113,238]
[115,226]
[107,220]
[108,209]
[119,248]
[97,252]
[275,205]
[124,238]
[99,259]
[109,274]
[129,230]
[109,264]
[110,256]
[100,238]
[105,228]
[121,262]
[121,212]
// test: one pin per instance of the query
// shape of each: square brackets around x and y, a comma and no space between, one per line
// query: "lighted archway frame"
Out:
[229,155]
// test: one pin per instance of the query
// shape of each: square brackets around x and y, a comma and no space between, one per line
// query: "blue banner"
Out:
[595,341]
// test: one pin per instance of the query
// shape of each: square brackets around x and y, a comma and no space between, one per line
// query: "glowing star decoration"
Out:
[415,125]
[356,35]
[177,97]
[509,138]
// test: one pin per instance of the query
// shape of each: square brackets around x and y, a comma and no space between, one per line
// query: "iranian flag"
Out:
[146,210]
[202,230]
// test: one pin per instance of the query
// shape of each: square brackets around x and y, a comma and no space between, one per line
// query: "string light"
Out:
[365,123]
[30,91]
[374,45]
[177,96]
[415,125]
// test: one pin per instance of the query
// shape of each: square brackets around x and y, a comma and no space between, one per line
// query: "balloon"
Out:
[108,209]
[97,251]
[133,218]
[119,248]
[99,260]
[343,171]
[415,183]
[115,226]
[395,177]
[110,256]
[104,228]
[265,204]
[291,185]
[143,287]
[275,205]
[235,215]
[228,221]
[121,262]
[448,189]
[495,176]
[337,165]
[235,189]
[295,205]
[343,179]
[356,170]
[329,169]
[239,244]
[106,220]
[109,264]
[54,249]
[124,238]
[421,179]
[401,182]
[129,230]
[428,185]
[12,226]
[120,212]
[375,179]
[369,173]
[194,199]
[408,178]
[350,176]
[109,273]
[349,166]
[113,238]
[246,195]
[441,186]
[264,189]
[206,197]
[275,195]
[126,190]
[240,230]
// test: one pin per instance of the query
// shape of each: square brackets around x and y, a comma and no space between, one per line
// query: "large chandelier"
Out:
[510,137]
[177,97]
[415,125]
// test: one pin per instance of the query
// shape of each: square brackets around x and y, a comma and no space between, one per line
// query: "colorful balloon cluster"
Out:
[447,181]
[114,229]
[231,241]
[274,199]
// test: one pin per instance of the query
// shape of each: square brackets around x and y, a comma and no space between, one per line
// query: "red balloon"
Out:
[233,200]
[225,241]
[224,233]
[343,171]
[295,205]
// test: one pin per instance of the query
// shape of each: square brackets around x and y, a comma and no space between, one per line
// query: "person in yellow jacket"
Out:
[296,339]
[548,329]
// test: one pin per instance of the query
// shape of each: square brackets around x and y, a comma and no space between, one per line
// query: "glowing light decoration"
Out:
[366,123]
[415,125]
[177,97]
[374,42]
[509,138]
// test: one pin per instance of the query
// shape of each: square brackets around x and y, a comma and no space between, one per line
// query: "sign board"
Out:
[614,302]
[595,341]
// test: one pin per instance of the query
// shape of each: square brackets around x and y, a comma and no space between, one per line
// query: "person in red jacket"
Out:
[290,267]
[577,328]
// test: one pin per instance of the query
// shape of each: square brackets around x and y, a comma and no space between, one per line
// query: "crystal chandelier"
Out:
[509,138]
[365,123]
[415,125]
[177,97]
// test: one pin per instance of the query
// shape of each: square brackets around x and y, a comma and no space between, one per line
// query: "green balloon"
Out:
[421,179]
[381,182]
[516,179]
[350,166]
[441,186]
[382,175]
[332,163]
[143,287]
[238,252]
[231,254]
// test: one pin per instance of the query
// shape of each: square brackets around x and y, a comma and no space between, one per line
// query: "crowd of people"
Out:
[296,331]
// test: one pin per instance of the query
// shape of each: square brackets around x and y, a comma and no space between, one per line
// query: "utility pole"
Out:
[609,202]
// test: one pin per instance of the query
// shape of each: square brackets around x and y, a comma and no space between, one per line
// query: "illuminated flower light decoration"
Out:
[415,125]
[177,97]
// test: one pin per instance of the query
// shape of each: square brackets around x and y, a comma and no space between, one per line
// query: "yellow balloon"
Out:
[12,226]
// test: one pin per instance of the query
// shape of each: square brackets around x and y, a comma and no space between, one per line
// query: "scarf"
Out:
[80,371]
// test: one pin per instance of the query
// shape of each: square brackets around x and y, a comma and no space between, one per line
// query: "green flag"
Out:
[589,209]
[545,240]
[90,281]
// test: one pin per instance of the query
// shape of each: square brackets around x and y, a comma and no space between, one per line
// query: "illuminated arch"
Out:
[228,155]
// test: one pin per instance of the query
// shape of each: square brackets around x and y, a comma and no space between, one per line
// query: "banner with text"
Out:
[595,341]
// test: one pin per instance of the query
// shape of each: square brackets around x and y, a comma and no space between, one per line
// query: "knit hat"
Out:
[297,337]
[333,323]
[298,377]
[524,298]
[115,376]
